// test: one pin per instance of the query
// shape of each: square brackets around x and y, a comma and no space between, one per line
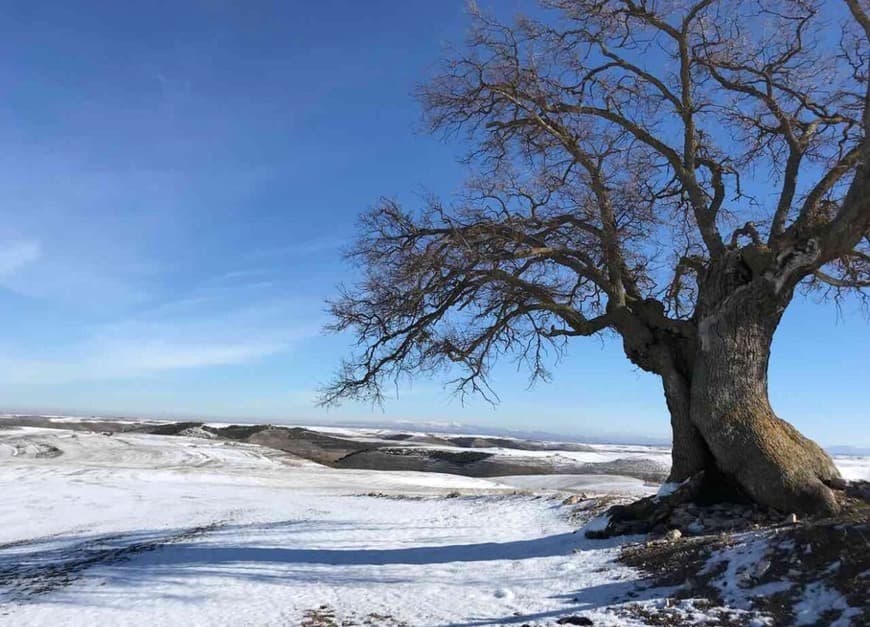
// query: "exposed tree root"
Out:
[710,496]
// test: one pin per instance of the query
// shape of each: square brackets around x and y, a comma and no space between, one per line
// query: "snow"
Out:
[592,485]
[818,597]
[135,529]
[853,467]
[599,523]
[746,561]
[667,488]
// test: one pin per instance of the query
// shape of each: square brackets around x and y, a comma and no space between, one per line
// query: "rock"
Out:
[673,535]
[791,519]
[695,527]
[574,620]
[574,499]
[859,490]
[761,568]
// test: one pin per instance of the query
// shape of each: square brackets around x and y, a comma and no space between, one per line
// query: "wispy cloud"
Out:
[136,349]
[16,255]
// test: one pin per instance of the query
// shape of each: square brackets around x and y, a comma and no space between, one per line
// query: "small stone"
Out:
[695,527]
[574,620]
[574,499]
[791,519]
[673,535]
[761,568]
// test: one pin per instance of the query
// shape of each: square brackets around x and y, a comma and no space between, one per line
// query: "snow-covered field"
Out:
[139,529]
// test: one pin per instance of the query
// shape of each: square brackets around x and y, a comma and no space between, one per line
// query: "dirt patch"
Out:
[326,616]
[44,451]
[811,572]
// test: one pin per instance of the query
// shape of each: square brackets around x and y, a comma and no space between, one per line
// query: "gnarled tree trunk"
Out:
[729,405]
[714,374]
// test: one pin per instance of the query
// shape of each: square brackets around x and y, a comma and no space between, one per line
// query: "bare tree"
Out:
[667,170]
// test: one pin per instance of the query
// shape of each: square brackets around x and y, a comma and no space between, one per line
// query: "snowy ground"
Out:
[156,530]
[139,529]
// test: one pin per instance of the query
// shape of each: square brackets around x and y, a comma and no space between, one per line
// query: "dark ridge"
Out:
[236,432]
[522,445]
[311,445]
[466,463]
[172,428]
[454,457]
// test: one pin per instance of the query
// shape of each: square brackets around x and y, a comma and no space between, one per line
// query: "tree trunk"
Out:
[714,374]
[729,405]
[689,452]
[668,353]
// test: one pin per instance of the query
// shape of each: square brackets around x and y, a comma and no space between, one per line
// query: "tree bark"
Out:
[714,375]
[669,353]
[729,405]
[689,452]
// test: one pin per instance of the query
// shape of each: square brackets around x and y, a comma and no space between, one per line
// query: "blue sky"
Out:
[177,181]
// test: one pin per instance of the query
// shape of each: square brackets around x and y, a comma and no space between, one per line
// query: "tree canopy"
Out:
[621,151]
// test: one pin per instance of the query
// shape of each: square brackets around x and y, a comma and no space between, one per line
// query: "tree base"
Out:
[771,462]
[646,514]
[713,498]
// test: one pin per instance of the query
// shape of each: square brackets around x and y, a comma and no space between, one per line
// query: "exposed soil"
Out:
[325,616]
[772,568]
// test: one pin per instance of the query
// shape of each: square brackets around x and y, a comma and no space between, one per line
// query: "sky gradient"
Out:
[177,184]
